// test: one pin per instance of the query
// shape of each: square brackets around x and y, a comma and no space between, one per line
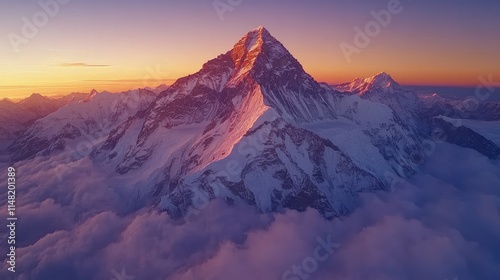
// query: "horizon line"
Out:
[26,95]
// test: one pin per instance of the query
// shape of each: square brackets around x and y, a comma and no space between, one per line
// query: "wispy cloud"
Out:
[125,80]
[65,50]
[441,223]
[81,64]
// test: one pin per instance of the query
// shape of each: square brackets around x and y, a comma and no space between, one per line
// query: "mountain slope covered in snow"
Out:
[87,121]
[252,127]
[17,116]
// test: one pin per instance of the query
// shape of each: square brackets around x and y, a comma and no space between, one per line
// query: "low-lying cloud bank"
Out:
[442,224]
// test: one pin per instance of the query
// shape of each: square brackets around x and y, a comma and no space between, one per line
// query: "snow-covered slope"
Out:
[382,88]
[87,121]
[467,123]
[13,118]
[17,116]
[488,129]
[482,136]
[275,166]
[381,81]
[471,108]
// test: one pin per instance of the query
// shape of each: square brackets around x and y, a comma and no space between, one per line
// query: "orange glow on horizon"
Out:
[63,88]
[120,68]
[88,45]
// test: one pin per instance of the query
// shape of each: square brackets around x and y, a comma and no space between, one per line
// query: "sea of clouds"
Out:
[443,223]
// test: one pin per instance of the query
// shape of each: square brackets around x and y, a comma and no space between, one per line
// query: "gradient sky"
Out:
[119,45]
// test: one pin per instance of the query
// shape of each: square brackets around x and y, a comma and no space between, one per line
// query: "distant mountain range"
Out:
[16,116]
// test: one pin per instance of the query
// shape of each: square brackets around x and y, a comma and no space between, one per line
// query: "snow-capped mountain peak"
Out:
[39,104]
[255,38]
[258,49]
[381,81]
[33,97]
[93,93]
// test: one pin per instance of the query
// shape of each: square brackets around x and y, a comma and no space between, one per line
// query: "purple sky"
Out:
[115,45]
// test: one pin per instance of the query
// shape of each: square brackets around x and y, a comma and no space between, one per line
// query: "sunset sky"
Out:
[119,45]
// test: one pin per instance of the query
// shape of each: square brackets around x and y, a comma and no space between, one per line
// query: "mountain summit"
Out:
[254,40]
[381,81]
[260,49]
[257,45]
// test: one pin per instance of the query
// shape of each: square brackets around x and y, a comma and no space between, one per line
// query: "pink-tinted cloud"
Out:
[435,226]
